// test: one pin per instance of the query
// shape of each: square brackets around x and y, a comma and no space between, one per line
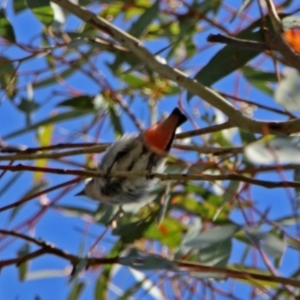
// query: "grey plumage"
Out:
[144,152]
[129,153]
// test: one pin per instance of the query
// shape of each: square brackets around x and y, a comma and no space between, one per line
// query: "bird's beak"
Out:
[82,193]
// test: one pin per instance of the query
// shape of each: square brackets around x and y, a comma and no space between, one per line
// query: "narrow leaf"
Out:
[55,119]
[6,29]
[42,10]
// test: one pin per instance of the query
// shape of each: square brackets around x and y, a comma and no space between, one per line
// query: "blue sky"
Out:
[61,229]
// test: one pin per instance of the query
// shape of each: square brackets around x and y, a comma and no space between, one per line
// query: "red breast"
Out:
[159,136]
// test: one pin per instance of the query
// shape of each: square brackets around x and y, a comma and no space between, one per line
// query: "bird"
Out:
[146,151]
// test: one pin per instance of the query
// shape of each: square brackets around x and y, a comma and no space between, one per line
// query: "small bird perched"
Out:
[144,152]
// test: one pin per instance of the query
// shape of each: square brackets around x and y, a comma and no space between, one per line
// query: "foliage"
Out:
[226,213]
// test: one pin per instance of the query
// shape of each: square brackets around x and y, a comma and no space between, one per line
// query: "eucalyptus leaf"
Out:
[277,149]
[287,92]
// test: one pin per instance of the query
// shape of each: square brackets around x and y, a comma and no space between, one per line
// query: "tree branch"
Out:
[232,41]
[47,248]
[213,98]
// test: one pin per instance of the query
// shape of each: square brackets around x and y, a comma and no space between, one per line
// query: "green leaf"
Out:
[138,28]
[8,77]
[273,246]
[23,267]
[241,9]
[77,289]
[231,191]
[19,6]
[287,92]
[193,231]
[246,137]
[268,241]
[141,261]
[216,255]
[260,79]
[103,280]
[55,119]
[134,81]
[132,290]
[230,58]
[115,120]
[296,177]
[42,10]
[206,210]
[128,232]
[207,5]
[274,149]
[169,232]
[78,102]
[81,266]
[28,106]
[6,29]
[212,236]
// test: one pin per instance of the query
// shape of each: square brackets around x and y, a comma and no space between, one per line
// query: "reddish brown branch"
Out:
[47,248]
[232,41]
[26,199]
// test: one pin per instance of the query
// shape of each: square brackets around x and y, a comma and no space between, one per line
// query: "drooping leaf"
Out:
[216,255]
[42,10]
[81,266]
[296,177]
[77,289]
[102,284]
[273,246]
[245,4]
[44,137]
[19,6]
[268,241]
[115,120]
[134,81]
[128,232]
[193,231]
[138,27]
[78,102]
[274,149]
[230,58]
[23,267]
[8,78]
[287,92]
[6,29]
[28,106]
[207,5]
[259,79]
[212,236]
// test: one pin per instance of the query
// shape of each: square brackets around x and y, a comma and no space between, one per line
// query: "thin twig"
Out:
[206,130]
[136,47]
[47,248]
